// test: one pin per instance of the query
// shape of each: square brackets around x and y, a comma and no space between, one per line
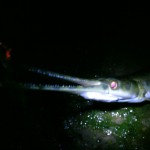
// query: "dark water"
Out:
[115,46]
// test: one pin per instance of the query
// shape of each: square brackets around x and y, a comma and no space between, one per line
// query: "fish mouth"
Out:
[67,88]
[99,92]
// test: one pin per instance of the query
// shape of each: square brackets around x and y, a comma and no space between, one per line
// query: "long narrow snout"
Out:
[103,89]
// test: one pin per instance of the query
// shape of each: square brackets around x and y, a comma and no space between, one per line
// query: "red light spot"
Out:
[8,54]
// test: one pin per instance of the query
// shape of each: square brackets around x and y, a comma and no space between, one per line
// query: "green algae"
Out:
[123,128]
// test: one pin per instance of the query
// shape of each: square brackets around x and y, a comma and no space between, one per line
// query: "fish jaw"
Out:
[99,97]
[98,93]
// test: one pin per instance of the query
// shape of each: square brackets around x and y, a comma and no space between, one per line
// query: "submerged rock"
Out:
[123,128]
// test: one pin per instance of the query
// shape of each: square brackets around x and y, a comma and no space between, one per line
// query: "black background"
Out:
[76,38]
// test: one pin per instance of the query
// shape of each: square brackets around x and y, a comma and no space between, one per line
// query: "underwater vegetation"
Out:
[119,128]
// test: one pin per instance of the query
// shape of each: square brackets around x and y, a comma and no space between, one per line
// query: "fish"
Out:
[132,89]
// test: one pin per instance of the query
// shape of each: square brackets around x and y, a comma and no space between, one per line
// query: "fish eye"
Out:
[113,85]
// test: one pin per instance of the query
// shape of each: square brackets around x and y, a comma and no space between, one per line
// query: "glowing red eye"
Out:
[8,54]
[113,85]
